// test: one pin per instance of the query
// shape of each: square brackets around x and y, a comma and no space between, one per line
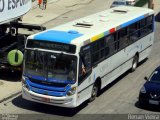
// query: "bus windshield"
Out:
[53,67]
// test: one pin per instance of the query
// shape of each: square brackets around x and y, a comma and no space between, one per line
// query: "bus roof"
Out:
[93,27]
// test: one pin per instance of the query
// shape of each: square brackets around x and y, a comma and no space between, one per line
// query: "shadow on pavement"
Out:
[9,75]
[120,78]
[157,17]
[113,83]
[46,109]
[148,107]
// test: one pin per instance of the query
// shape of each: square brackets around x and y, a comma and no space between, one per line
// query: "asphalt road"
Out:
[118,98]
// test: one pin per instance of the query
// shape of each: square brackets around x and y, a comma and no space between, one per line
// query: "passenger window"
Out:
[111,42]
[143,31]
[149,20]
[102,43]
[110,38]
[84,64]
[85,57]
[132,28]
[142,23]
[150,28]
[95,46]
[123,38]
[122,33]
[133,37]
[107,51]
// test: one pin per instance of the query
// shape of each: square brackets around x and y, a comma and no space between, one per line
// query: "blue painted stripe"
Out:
[46,92]
[67,88]
[58,36]
[132,21]
[49,79]
[106,33]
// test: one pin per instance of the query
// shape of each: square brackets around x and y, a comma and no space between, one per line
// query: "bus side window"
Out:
[150,24]
[111,42]
[149,20]
[84,64]
[122,38]
[142,23]
[133,32]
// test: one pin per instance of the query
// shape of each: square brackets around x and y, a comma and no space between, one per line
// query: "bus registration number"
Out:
[46,99]
[154,102]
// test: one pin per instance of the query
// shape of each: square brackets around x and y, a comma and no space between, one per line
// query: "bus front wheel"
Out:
[134,63]
[94,93]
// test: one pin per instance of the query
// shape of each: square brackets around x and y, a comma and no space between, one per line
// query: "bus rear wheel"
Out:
[134,63]
[94,92]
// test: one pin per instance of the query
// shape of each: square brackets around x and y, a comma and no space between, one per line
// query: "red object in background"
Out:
[39,2]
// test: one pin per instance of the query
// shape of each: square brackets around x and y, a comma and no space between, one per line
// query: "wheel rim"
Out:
[134,65]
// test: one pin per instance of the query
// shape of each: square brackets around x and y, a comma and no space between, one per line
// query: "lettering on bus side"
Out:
[2,4]
[12,4]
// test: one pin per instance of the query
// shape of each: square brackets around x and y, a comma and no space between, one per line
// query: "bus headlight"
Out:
[143,90]
[24,84]
[72,91]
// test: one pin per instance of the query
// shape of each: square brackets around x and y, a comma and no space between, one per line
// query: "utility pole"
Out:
[150,4]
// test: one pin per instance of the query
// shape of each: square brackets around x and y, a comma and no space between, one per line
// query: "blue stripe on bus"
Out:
[51,88]
[132,21]
[106,33]
[58,36]
[40,78]
[50,93]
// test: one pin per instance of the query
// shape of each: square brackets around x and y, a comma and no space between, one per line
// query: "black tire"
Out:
[142,104]
[134,63]
[94,93]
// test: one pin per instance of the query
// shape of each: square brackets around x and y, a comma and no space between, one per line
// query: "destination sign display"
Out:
[51,46]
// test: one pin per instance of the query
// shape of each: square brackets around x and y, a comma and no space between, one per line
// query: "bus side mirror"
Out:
[146,78]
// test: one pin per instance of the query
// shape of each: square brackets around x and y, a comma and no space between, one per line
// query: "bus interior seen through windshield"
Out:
[53,67]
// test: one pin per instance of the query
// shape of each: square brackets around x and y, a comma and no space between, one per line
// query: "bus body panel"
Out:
[84,90]
[45,99]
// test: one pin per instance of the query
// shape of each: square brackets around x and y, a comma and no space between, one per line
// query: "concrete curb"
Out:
[10,96]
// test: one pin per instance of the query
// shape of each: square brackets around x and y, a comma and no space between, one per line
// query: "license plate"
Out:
[154,102]
[46,99]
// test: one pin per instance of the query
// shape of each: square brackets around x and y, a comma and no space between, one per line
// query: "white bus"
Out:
[70,63]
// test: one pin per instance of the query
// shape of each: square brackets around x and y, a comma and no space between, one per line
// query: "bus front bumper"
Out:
[66,101]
